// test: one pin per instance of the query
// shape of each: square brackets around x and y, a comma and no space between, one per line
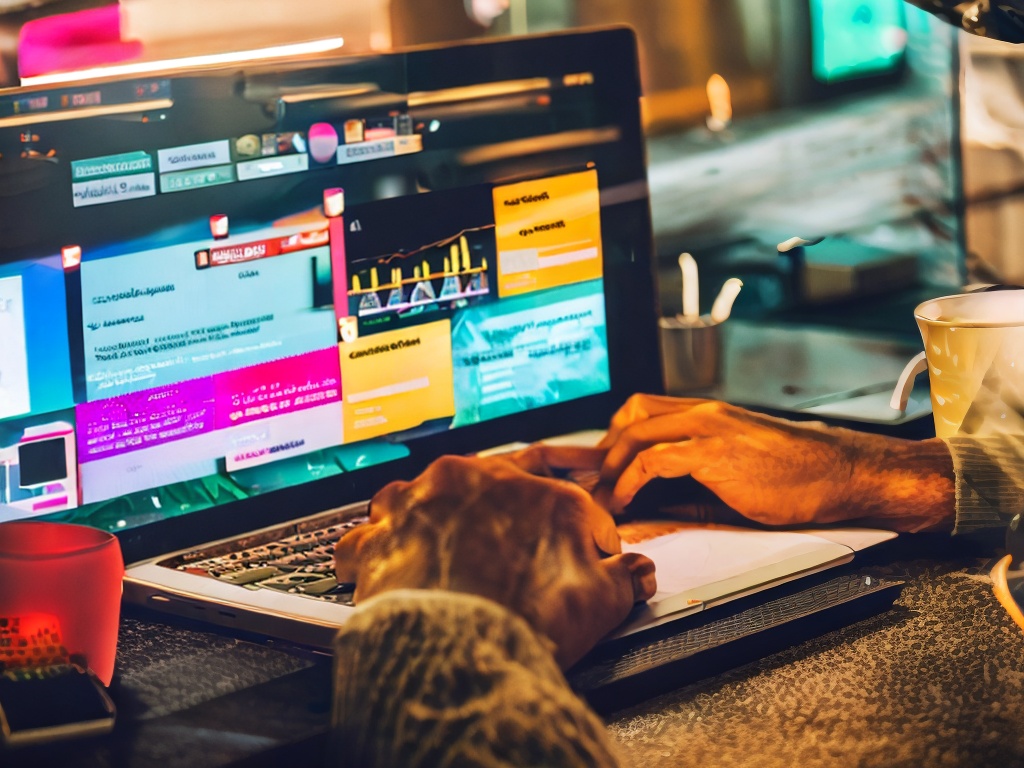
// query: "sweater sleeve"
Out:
[989,480]
[426,677]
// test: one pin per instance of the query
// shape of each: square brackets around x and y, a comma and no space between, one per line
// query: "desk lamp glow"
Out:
[144,36]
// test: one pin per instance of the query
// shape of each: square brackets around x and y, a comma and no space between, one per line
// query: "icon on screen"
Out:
[334,202]
[219,226]
[248,146]
[323,142]
[348,328]
[355,131]
[71,256]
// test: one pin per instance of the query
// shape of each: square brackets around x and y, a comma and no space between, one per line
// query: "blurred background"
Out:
[869,123]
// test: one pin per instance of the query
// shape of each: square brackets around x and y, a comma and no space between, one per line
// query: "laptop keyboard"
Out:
[298,560]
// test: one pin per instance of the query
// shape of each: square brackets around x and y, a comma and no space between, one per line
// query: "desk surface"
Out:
[939,680]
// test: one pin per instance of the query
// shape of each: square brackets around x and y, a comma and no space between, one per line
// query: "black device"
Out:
[54,702]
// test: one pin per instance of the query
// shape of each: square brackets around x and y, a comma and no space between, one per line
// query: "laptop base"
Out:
[624,672]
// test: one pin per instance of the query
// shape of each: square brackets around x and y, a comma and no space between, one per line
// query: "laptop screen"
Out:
[231,297]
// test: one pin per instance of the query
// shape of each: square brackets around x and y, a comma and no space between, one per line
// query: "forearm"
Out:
[429,677]
[907,485]
[960,484]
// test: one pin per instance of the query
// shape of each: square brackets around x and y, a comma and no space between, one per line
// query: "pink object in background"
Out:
[69,575]
[323,142]
[70,41]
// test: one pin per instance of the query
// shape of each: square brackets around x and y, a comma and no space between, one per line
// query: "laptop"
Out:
[235,302]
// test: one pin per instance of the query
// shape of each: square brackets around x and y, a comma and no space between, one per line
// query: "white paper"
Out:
[699,566]
[703,555]
[699,556]
[857,539]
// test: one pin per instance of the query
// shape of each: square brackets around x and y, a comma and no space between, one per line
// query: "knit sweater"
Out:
[434,678]
[989,480]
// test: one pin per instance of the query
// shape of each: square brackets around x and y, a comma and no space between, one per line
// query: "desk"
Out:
[939,681]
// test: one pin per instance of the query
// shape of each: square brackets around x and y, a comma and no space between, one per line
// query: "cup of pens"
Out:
[691,343]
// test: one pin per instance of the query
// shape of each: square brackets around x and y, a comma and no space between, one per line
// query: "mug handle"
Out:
[905,383]
[919,364]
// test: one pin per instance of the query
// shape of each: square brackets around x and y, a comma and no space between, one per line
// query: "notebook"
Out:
[235,302]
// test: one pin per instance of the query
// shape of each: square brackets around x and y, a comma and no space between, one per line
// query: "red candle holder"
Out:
[60,595]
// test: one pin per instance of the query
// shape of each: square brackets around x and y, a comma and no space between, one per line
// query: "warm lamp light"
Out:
[720,102]
[163,65]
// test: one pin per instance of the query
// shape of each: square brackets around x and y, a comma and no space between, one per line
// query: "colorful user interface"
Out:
[217,358]
[37,453]
[488,302]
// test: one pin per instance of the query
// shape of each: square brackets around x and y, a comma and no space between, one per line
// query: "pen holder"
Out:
[691,354]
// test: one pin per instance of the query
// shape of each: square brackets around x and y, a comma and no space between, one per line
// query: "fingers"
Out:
[660,460]
[346,553]
[584,618]
[602,525]
[641,573]
[565,498]
[668,428]
[641,407]
[540,459]
[707,418]
[631,580]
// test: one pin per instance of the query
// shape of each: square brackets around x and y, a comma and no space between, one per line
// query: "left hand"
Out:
[775,471]
[491,528]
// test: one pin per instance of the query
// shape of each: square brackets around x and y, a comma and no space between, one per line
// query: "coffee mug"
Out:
[974,354]
[60,595]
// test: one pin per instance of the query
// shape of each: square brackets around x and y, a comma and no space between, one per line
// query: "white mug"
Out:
[974,354]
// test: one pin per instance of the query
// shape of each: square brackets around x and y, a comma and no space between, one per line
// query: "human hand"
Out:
[776,471]
[491,528]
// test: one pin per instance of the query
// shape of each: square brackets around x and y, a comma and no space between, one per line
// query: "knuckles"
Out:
[712,408]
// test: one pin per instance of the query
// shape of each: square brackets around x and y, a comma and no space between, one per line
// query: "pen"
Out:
[722,307]
[691,288]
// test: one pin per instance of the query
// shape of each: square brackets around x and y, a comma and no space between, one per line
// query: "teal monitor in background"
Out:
[853,39]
